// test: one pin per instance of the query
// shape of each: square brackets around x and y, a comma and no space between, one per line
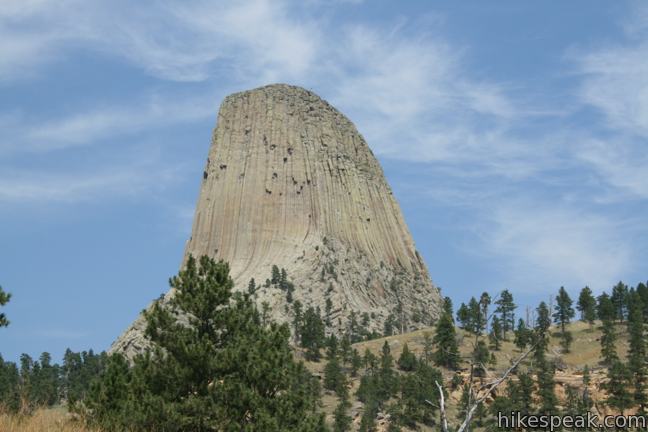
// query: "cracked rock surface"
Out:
[290,182]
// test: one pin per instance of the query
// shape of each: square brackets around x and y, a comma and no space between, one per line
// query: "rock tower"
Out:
[290,182]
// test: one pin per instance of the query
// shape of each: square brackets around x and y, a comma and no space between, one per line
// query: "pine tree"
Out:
[388,327]
[4,299]
[251,287]
[407,360]
[495,334]
[522,335]
[605,308]
[356,362]
[608,343]
[562,316]
[544,370]
[619,300]
[637,350]
[447,349]
[506,308]
[276,275]
[484,303]
[480,357]
[334,378]
[312,334]
[221,369]
[9,386]
[464,318]
[619,378]
[477,320]
[587,306]
[428,346]
[342,421]
[387,378]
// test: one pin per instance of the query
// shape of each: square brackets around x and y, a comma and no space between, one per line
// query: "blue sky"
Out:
[515,136]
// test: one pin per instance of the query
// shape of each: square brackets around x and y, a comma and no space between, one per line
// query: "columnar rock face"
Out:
[290,182]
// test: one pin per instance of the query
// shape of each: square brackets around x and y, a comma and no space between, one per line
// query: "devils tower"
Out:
[289,182]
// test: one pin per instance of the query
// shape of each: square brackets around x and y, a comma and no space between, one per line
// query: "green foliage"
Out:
[312,334]
[356,362]
[506,310]
[563,313]
[587,305]
[9,386]
[480,357]
[619,299]
[407,360]
[276,275]
[334,378]
[637,349]
[605,308]
[544,370]
[221,370]
[415,389]
[495,335]
[523,335]
[252,287]
[608,343]
[342,421]
[389,325]
[78,372]
[4,299]
[447,349]
[619,379]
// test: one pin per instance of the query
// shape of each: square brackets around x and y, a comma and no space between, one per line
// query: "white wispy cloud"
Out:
[548,245]
[43,188]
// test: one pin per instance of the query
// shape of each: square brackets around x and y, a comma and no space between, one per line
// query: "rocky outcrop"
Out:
[290,182]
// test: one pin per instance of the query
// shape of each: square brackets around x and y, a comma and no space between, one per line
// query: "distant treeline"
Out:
[41,383]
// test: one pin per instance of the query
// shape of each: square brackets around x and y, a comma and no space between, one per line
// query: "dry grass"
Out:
[43,420]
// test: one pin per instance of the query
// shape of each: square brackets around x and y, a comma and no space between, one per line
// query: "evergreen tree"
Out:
[619,378]
[480,357]
[276,275]
[328,308]
[447,349]
[642,291]
[484,303]
[334,378]
[407,360]
[464,318]
[562,316]
[342,421]
[387,378]
[4,299]
[419,395]
[619,300]
[605,308]
[428,346]
[477,320]
[495,334]
[522,335]
[544,370]
[9,386]
[312,334]
[637,350]
[587,306]
[389,325]
[297,322]
[506,309]
[222,369]
[356,362]
[608,343]
[251,287]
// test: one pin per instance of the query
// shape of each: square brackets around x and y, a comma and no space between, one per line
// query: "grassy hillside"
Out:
[585,351]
